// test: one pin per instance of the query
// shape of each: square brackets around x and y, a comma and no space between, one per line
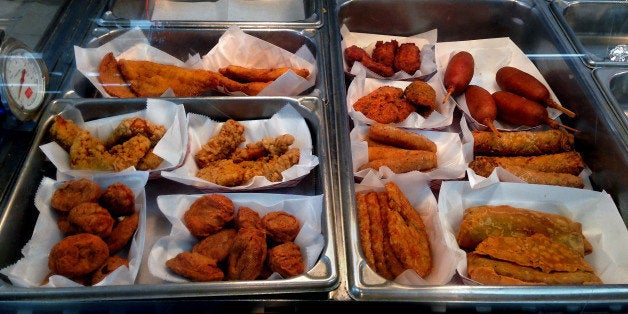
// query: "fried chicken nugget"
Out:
[130,127]
[89,153]
[286,259]
[112,263]
[408,235]
[64,132]
[195,266]
[111,79]
[247,217]
[281,226]
[248,254]
[244,74]
[384,52]
[208,214]
[91,218]
[122,233]
[130,152]
[384,105]
[216,246]
[118,199]
[74,192]
[407,58]
[220,146]
[394,136]
[77,255]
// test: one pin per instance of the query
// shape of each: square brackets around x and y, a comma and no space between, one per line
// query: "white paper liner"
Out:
[285,121]
[32,269]
[307,209]
[490,55]
[229,10]
[425,42]
[445,252]
[451,163]
[601,223]
[172,147]
[499,174]
[233,48]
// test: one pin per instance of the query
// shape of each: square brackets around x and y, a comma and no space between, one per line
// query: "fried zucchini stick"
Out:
[522,143]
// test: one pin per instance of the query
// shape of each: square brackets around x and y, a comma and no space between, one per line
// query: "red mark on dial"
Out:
[21,82]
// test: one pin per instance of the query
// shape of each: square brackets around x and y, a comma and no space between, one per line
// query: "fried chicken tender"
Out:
[64,132]
[394,136]
[89,153]
[281,226]
[111,79]
[384,52]
[216,246]
[268,146]
[384,105]
[286,259]
[149,161]
[195,266]
[421,94]
[118,199]
[355,53]
[247,217]
[130,152]
[130,127]
[122,233]
[221,145]
[91,218]
[77,255]
[223,172]
[150,79]
[248,254]
[244,74]
[407,58]
[112,263]
[75,192]
[208,214]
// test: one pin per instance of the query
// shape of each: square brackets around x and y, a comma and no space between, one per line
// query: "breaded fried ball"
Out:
[217,245]
[119,199]
[122,233]
[77,255]
[208,214]
[195,266]
[112,263]
[421,94]
[74,192]
[384,52]
[286,259]
[91,218]
[247,217]
[281,226]
[248,254]
[408,58]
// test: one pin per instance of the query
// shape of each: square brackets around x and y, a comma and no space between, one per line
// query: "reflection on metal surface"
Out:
[619,53]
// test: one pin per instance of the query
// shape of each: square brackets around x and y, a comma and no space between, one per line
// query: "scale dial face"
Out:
[24,79]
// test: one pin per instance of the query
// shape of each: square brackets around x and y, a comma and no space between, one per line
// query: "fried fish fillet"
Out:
[245,74]
[377,234]
[151,79]
[111,79]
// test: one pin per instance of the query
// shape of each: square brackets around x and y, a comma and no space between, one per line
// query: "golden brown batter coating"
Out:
[222,145]
[112,263]
[216,246]
[122,232]
[195,266]
[248,255]
[377,234]
[111,78]
[385,105]
[407,58]
[286,259]
[74,192]
[77,255]
[568,162]
[63,132]
[247,217]
[421,94]
[393,264]
[281,226]
[208,214]
[522,143]
[394,136]
[91,218]
[244,74]
[118,199]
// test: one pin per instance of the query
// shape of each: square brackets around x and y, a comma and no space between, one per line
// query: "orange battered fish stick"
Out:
[244,74]
[394,136]
[522,143]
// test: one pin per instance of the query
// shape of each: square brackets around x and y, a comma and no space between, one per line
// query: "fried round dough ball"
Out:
[281,226]
[247,217]
[216,246]
[119,199]
[77,255]
[122,232]
[286,259]
[195,266]
[208,214]
[248,254]
[91,218]
[74,192]
[407,58]
[112,263]
[421,94]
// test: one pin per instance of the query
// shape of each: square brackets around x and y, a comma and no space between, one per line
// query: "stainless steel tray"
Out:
[614,84]
[125,13]
[183,42]
[20,215]
[532,27]
[594,28]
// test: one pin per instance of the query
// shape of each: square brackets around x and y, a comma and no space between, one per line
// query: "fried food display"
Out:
[393,236]
[385,104]
[112,263]
[286,259]
[387,57]
[244,74]
[122,232]
[133,126]
[195,266]
[77,255]
[111,79]
[208,214]
[91,218]
[75,192]
[119,199]
[222,162]
[247,255]
[281,226]
[522,143]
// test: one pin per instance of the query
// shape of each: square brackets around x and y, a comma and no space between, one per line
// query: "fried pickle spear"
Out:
[522,143]
[394,136]
[568,162]
[244,74]
[111,78]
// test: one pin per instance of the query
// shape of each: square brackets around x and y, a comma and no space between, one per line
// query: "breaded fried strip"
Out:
[377,234]
[536,251]
[488,276]
[244,74]
[394,136]
[394,266]
[528,274]
[250,88]
[222,144]
[408,235]
[522,143]
[548,178]
[364,227]
[568,162]
[411,160]
[111,78]
[480,222]
[64,132]
[379,152]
